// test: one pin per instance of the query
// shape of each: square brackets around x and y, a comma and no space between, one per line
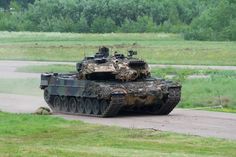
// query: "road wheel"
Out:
[96,107]
[57,103]
[72,105]
[81,105]
[104,105]
[64,104]
[88,106]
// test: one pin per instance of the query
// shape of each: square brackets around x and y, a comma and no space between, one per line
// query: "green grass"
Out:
[155,48]
[209,92]
[182,74]
[32,135]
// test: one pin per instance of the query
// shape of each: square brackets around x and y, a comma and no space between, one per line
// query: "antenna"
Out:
[84,51]
[111,50]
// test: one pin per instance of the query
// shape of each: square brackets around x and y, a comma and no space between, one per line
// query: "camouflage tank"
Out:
[104,85]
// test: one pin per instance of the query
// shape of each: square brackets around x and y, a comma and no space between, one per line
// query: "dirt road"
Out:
[8,68]
[194,122]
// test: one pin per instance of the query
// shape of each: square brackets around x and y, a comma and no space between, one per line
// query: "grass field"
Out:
[32,135]
[155,48]
[37,136]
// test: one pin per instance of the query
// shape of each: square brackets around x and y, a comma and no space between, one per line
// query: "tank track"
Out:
[167,104]
[113,106]
[111,109]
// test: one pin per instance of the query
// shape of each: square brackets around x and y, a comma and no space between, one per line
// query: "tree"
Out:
[143,24]
[103,25]
[216,23]
[24,3]
[82,25]
[5,4]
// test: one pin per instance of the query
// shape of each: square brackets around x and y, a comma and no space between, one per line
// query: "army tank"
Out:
[105,84]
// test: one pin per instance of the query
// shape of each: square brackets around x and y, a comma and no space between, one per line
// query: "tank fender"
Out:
[118,91]
[45,77]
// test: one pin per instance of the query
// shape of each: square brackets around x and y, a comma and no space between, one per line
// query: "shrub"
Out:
[143,24]
[103,25]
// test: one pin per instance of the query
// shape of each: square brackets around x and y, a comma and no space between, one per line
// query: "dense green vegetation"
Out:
[196,19]
[153,47]
[32,135]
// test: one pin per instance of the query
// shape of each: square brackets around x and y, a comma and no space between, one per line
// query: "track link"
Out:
[164,107]
[168,104]
[116,103]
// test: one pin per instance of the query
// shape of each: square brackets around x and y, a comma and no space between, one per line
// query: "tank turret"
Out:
[116,67]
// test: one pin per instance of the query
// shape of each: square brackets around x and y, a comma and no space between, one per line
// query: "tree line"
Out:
[196,19]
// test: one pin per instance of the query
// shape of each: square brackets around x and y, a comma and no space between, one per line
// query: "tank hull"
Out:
[65,93]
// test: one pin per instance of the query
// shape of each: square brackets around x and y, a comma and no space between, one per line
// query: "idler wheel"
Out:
[81,105]
[104,106]
[57,103]
[47,96]
[96,107]
[72,107]
[88,106]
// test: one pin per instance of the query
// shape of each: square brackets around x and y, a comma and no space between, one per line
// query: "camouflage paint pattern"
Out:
[144,92]
[111,83]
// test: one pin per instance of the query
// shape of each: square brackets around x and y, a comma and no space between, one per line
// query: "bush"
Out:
[143,24]
[63,24]
[82,25]
[214,24]
[10,22]
[103,25]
